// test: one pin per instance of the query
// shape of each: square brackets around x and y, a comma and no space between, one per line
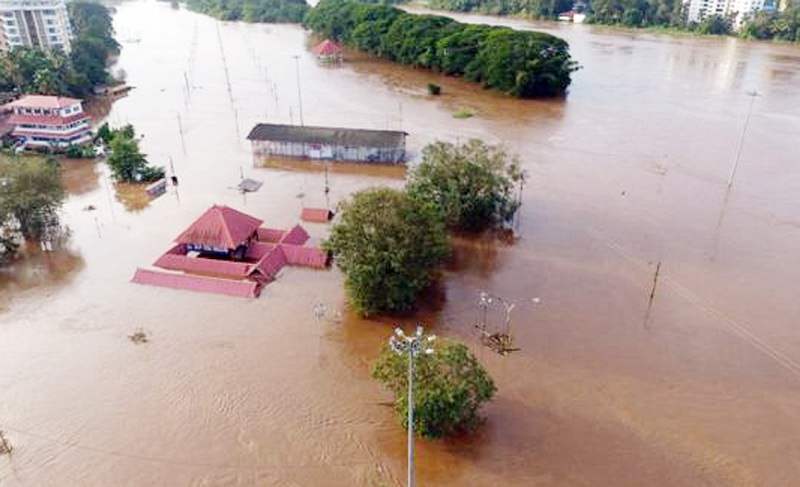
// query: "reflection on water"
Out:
[628,171]
[133,197]
[79,176]
[36,268]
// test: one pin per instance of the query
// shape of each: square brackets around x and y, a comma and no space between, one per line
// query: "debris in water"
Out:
[140,336]
[249,185]
[5,446]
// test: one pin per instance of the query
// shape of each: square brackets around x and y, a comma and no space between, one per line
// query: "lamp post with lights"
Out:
[411,346]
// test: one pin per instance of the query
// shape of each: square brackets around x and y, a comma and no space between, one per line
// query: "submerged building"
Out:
[329,143]
[55,122]
[228,252]
[34,23]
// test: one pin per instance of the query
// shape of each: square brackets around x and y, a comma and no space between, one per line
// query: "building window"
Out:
[51,30]
[53,38]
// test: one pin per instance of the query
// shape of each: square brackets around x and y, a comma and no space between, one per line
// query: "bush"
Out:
[388,246]
[449,388]
[434,89]
[472,184]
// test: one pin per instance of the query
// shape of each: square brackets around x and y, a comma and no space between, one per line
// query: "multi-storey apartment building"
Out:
[738,9]
[34,23]
[55,122]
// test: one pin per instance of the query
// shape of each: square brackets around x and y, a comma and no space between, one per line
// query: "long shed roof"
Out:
[328,135]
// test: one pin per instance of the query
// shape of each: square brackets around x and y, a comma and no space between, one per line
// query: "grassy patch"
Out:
[463,112]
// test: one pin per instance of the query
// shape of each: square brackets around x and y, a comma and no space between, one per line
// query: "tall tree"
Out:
[449,388]
[388,246]
[472,184]
[32,194]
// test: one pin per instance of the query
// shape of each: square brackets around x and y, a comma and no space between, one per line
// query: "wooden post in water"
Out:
[652,294]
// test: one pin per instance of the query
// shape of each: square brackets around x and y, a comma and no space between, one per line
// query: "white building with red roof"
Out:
[49,121]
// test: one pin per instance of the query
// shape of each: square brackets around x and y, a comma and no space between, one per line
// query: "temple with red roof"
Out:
[328,51]
[55,122]
[229,252]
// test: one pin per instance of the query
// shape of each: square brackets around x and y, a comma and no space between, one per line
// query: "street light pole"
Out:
[299,93]
[752,95]
[410,459]
[412,346]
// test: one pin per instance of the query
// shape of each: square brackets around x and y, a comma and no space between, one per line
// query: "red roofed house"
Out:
[49,121]
[228,252]
[329,51]
[221,231]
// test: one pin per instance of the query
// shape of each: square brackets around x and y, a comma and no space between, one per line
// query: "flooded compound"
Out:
[698,386]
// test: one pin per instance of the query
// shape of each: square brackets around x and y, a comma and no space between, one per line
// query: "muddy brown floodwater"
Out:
[628,171]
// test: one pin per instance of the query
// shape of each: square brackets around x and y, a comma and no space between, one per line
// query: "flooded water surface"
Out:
[699,387]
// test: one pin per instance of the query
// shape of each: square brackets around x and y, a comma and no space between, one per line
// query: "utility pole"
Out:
[299,92]
[411,346]
[752,95]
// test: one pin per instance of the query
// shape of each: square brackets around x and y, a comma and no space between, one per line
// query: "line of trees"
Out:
[272,11]
[784,26]
[541,9]
[524,64]
[53,72]
[766,24]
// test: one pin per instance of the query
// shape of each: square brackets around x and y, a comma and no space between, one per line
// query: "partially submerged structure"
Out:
[55,122]
[329,143]
[329,51]
[228,252]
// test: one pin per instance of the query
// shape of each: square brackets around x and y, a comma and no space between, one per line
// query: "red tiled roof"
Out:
[43,101]
[296,236]
[316,215]
[328,48]
[223,268]
[257,250]
[273,235]
[271,263]
[18,119]
[220,227]
[313,257]
[244,289]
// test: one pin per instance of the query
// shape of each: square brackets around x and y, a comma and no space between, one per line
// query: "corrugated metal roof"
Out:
[346,137]
[316,215]
[244,289]
[220,227]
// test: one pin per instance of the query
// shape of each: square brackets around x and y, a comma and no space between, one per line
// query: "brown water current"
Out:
[629,170]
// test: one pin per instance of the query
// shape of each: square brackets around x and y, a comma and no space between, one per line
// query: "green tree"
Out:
[388,245]
[472,184]
[127,163]
[32,194]
[449,388]
[252,10]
